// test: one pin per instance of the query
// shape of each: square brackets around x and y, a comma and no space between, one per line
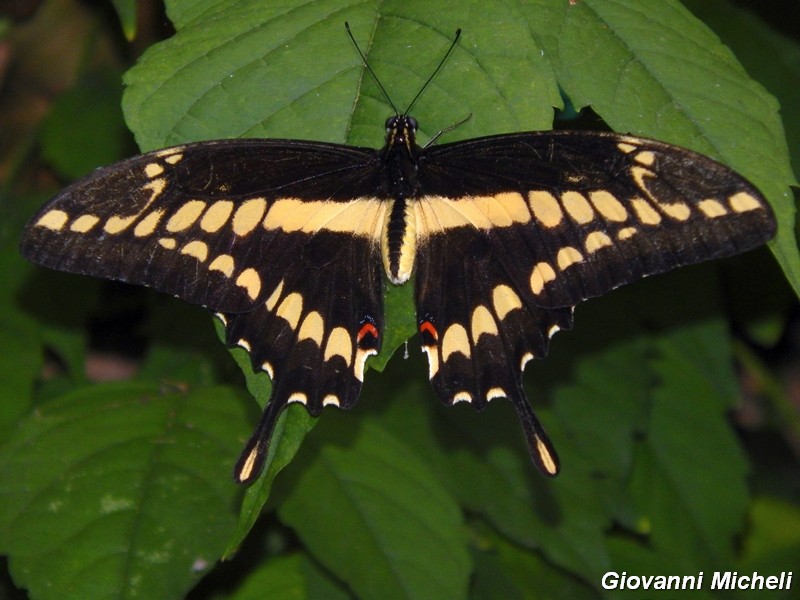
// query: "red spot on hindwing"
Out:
[367,329]
[428,330]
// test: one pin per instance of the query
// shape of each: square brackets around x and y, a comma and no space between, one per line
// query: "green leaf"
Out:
[289,577]
[85,129]
[772,544]
[504,570]
[18,339]
[119,491]
[365,515]
[771,57]
[126,10]
[690,483]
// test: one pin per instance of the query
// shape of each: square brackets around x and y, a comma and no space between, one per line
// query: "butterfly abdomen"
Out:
[399,241]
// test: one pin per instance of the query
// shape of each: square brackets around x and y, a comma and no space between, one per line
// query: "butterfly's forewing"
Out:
[281,238]
[576,214]
[188,220]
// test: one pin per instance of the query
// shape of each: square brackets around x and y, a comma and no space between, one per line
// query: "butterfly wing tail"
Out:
[251,462]
[542,452]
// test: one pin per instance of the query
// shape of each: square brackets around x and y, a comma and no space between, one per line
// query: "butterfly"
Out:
[291,244]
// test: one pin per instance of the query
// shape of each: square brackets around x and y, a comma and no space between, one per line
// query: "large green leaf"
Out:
[384,526]
[120,491]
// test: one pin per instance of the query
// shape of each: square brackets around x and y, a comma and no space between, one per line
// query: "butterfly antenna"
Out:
[371,72]
[438,68]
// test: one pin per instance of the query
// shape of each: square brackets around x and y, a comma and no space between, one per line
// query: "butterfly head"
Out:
[401,130]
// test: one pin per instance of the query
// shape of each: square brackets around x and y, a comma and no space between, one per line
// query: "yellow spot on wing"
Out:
[247,467]
[462,396]
[290,309]
[339,344]
[330,400]
[645,157]
[712,208]
[148,225]
[248,215]
[362,217]
[54,219]
[437,214]
[216,216]
[626,148]
[433,360]
[186,215]
[298,397]
[361,362]
[168,243]
[274,297]
[495,392]
[645,212]
[223,263]
[197,249]
[567,257]
[251,282]
[153,170]
[312,328]
[577,206]
[455,340]
[545,208]
[171,155]
[504,300]
[677,210]
[542,273]
[482,323]
[116,223]
[597,240]
[502,210]
[608,206]
[84,223]
[742,202]
[626,232]
[526,358]
[267,368]
[548,462]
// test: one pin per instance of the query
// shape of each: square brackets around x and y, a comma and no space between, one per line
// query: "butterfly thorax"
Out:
[399,159]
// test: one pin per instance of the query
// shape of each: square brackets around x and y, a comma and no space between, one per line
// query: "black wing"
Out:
[281,238]
[515,230]
[589,211]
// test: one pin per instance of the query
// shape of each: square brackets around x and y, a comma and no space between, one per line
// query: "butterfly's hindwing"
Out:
[585,212]
[313,333]
[479,329]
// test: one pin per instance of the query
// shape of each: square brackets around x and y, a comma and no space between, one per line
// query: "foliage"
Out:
[123,489]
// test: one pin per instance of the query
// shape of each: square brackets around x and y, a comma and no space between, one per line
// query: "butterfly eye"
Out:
[412,123]
[390,124]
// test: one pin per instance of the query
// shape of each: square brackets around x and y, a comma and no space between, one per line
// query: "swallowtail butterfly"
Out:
[288,242]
